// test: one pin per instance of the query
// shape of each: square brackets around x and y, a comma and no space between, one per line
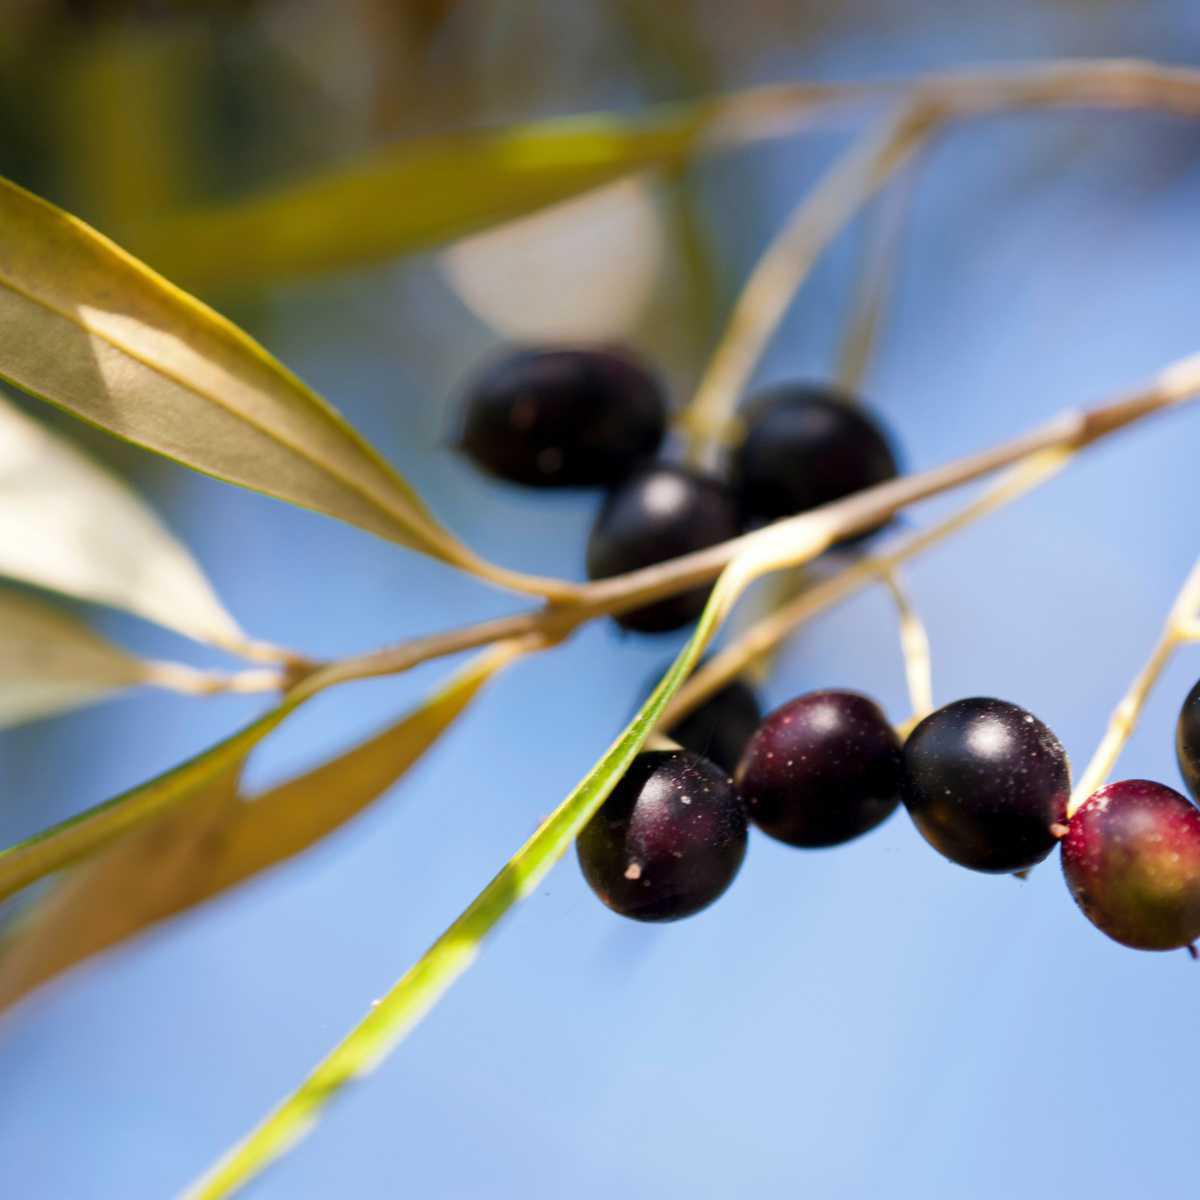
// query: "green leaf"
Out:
[68,525]
[145,877]
[289,818]
[49,661]
[785,544]
[413,195]
[89,328]
[92,830]
[216,839]
[392,1017]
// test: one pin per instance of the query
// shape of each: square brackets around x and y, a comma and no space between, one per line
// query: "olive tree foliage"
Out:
[87,326]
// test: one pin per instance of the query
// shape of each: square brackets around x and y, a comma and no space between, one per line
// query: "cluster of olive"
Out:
[986,783]
[580,417]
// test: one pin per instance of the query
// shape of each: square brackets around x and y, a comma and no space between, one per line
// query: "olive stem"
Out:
[876,277]
[925,105]
[914,645]
[861,338]
[761,637]
[819,529]
[773,283]
[1178,628]
[190,681]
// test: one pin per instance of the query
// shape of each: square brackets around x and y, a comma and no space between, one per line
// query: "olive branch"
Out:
[242,417]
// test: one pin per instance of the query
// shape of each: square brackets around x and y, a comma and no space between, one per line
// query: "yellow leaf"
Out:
[92,830]
[68,525]
[146,877]
[89,328]
[524,278]
[215,840]
[412,195]
[49,661]
[295,815]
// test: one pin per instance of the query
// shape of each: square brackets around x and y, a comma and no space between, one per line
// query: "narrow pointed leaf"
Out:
[50,661]
[89,328]
[216,840]
[522,277]
[68,525]
[145,877]
[297,814]
[392,1017]
[413,195]
[81,836]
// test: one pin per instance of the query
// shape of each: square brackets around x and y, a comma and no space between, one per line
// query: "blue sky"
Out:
[843,1024]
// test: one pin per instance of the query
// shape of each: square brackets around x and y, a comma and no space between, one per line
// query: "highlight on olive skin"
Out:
[821,770]
[1131,859]
[663,511]
[806,445]
[986,783]
[563,417]
[1187,741]
[668,840]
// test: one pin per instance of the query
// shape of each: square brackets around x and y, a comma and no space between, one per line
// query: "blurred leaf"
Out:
[127,159]
[295,815]
[49,661]
[393,1016]
[412,195]
[145,877]
[68,525]
[524,277]
[87,327]
[95,828]
[216,841]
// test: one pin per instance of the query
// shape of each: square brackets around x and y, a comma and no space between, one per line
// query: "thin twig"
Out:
[823,526]
[1178,629]
[787,543]
[914,645]
[190,681]
[875,280]
[772,285]
[767,633]
[928,105]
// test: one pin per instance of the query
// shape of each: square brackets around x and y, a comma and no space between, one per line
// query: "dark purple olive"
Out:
[806,445]
[985,782]
[1187,741]
[663,511]
[1131,857]
[821,769]
[564,417]
[720,727]
[667,841]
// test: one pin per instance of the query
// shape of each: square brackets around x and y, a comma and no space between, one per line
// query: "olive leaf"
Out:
[298,813]
[521,276]
[68,525]
[217,839]
[95,828]
[785,544]
[49,661]
[393,1016]
[416,194]
[144,878]
[89,328]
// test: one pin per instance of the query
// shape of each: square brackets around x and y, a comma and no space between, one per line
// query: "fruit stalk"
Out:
[768,293]
[1070,431]
[1121,725]
[765,634]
